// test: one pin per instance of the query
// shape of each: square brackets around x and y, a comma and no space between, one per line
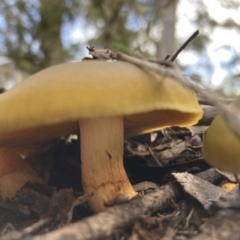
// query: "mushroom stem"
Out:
[102,167]
[14,173]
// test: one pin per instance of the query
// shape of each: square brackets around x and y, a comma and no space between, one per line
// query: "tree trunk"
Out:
[168,16]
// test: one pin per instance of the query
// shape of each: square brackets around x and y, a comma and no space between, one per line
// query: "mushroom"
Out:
[105,100]
[221,147]
[14,173]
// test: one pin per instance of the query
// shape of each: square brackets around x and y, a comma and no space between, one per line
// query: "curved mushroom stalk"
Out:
[102,167]
[14,173]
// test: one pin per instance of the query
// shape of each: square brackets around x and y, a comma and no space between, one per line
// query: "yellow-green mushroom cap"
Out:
[50,103]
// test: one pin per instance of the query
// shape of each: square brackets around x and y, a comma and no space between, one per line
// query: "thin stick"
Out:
[153,155]
[231,116]
[17,235]
[103,225]
[183,46]
[166,58]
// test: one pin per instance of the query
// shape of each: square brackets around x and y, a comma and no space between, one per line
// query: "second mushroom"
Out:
[106,101]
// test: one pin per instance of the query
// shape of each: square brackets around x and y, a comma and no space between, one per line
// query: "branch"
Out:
[184,45]
[104,224]
[230,115]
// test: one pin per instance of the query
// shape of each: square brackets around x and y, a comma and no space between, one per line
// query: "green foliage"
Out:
[33,31]
[120,24]
[32,34]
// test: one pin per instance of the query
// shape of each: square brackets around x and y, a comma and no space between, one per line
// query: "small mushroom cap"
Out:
[14,173]
[221,147]
[49,103]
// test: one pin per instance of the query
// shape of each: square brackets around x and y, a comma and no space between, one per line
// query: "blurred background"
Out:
[35,34]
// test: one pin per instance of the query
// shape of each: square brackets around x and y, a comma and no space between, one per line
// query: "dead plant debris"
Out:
[163,209]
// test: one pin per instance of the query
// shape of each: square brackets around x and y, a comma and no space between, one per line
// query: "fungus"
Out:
[221,147]
[14,173]
[105,100]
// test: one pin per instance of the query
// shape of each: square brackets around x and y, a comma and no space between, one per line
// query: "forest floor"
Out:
[184,198]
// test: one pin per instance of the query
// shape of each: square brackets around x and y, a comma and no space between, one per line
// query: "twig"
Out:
[189,218]
[184,45]
[102,54]
[153,155]
[204,101]
[104,224]
[28,230]
[78,201]
[209,113]
[166,58]
[230,115]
